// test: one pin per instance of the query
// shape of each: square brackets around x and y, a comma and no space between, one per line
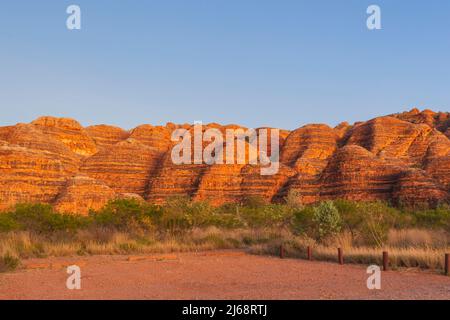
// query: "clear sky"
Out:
[281,63]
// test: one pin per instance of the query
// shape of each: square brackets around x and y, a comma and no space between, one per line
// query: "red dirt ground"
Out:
[213,275]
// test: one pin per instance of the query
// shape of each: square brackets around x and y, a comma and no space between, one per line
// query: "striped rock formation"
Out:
[81,194]
[403,158]
[125,167]
[106,136]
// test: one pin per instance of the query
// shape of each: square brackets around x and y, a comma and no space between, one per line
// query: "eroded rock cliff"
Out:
[402,158]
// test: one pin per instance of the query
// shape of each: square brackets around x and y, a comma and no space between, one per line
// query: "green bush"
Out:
[438,218]
[226,220]
[180,214]
[8,223]
[227,216]
[41,218]
[127,215]
[254,202]
[368,222]
[377,219]
[352,219]
[264,216]
[303,222]
[327,219]
[175,217]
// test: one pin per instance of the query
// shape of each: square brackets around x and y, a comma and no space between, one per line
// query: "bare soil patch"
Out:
[213,275]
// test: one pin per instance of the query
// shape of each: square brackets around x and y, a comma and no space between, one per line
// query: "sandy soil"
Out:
[213,275]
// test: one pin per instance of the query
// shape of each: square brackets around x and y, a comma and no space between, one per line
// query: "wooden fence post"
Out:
[385,260]
[340,256]
[447,264]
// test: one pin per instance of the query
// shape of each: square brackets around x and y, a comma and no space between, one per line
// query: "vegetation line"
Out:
[416,237]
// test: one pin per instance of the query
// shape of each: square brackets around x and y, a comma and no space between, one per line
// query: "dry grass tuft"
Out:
[412,248]
[399,257]
[407,238]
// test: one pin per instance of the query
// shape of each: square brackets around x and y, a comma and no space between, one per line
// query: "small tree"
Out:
[327,219]
[378,219]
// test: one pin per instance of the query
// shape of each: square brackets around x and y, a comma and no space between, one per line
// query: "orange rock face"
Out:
[416,187]
[355,173]
[82,193]
[402,158]
[309,148]
[69,132]
[125,166]
[28,175]
[106,136]
[30,137]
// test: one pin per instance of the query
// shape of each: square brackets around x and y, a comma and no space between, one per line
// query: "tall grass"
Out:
[25,244]
[363,230]
[406,238]
[20,245]
[409,248]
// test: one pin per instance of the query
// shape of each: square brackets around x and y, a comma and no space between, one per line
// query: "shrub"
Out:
[226,220]
[9,263]
[254,202]
[200,214]
[270,215]
[41,218]
[438,218]
[8,223]
[303,222]
[377,219]
[127,215]
[369,222]
[328,220]
[180,214]
[352,219]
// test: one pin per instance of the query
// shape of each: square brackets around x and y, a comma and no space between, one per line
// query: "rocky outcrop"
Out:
[264,186]
[28,175]
[220,184]
[403,158]
[439,169]
[82,194]
[216,183]
[30,137]
[69,132]
[391,138]
[4,132]
[125,167]
[174,180]
[106,136]
[156,137]
[437,120]
[355,173]
[415,187]
[308,149]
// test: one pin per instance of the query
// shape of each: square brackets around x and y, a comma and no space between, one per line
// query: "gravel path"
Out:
[213,275]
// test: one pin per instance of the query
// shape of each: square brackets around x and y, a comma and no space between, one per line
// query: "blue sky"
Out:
[253,62]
